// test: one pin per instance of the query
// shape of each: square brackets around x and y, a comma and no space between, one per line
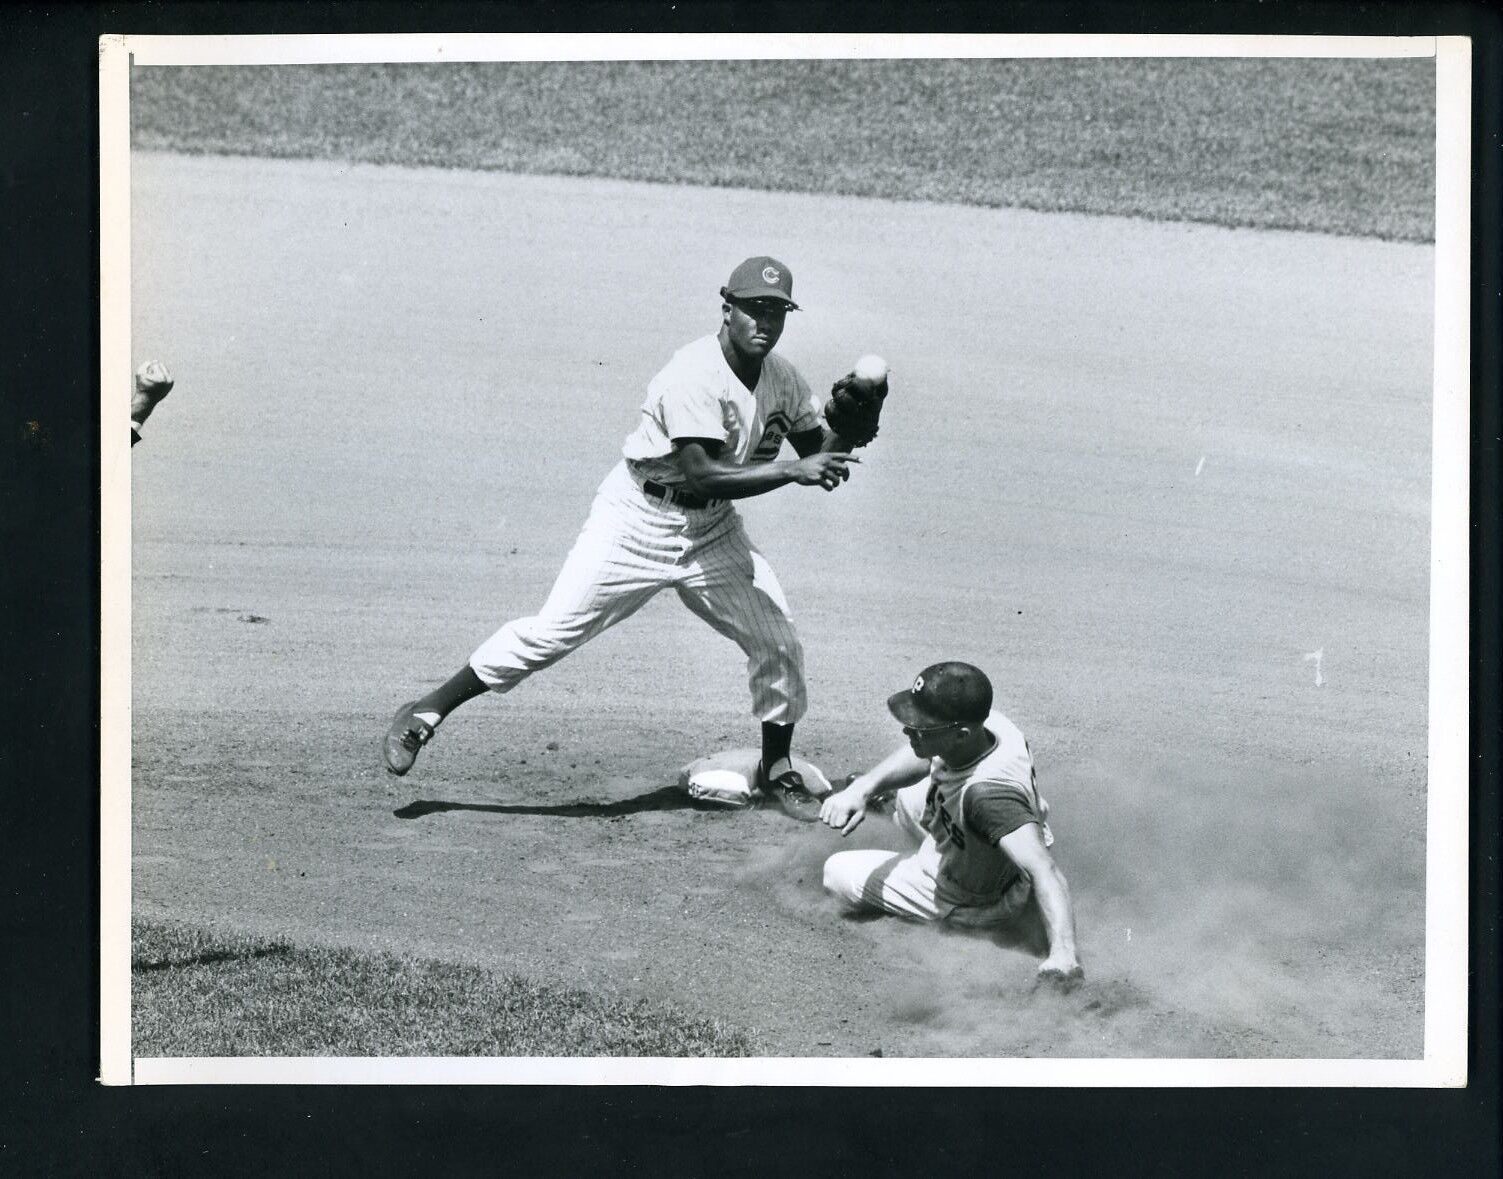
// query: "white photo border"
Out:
[1446,910]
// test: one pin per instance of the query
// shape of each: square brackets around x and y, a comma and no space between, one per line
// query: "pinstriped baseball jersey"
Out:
[696,395]
[636,543]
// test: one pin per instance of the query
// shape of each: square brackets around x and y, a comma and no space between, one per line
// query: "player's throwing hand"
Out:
[828,469]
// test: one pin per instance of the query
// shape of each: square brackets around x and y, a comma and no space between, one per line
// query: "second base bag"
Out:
[729,779]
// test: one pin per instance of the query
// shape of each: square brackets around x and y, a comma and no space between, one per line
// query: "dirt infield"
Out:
[1140,472]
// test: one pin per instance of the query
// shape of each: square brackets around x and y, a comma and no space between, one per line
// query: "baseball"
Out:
[871,369]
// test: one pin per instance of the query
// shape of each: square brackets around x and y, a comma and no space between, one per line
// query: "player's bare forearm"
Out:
[898,769]
[727,481]
[1025,847]
[1053,893]
[708,475]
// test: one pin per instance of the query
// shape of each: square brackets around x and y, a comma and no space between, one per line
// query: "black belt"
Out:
[677,496]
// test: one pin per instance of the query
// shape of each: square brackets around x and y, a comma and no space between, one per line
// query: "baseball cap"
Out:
[760,278]
[943,694]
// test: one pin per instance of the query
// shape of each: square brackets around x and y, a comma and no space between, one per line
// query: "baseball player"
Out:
[715,418]
[967,795]
[153,382]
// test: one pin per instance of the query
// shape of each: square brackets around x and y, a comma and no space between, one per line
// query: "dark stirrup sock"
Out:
[777,743]
[463,685]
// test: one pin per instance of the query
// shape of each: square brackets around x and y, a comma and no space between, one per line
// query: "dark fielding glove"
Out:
[854,408]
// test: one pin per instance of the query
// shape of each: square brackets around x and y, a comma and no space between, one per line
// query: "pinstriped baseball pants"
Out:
[630,548]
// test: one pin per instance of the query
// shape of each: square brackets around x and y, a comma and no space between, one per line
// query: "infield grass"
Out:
[1342,146]
[203,993]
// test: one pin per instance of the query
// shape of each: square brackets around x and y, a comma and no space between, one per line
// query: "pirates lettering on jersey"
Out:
[772,437]
[952,828]
[935,809]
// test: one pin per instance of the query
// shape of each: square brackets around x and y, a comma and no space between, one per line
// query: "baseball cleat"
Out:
[791,794]
[407,735]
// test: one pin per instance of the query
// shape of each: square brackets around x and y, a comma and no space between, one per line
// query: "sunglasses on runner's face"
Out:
[928,730]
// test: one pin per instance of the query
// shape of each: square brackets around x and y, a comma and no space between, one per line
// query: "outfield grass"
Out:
[202,993]
[1342,146]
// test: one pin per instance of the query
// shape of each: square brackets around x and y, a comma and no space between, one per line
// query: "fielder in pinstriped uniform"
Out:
[966,795]
[712,425]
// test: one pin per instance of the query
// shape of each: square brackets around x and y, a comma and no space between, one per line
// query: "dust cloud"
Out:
[1236,910]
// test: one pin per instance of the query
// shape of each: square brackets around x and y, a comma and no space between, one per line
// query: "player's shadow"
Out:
[664,798]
